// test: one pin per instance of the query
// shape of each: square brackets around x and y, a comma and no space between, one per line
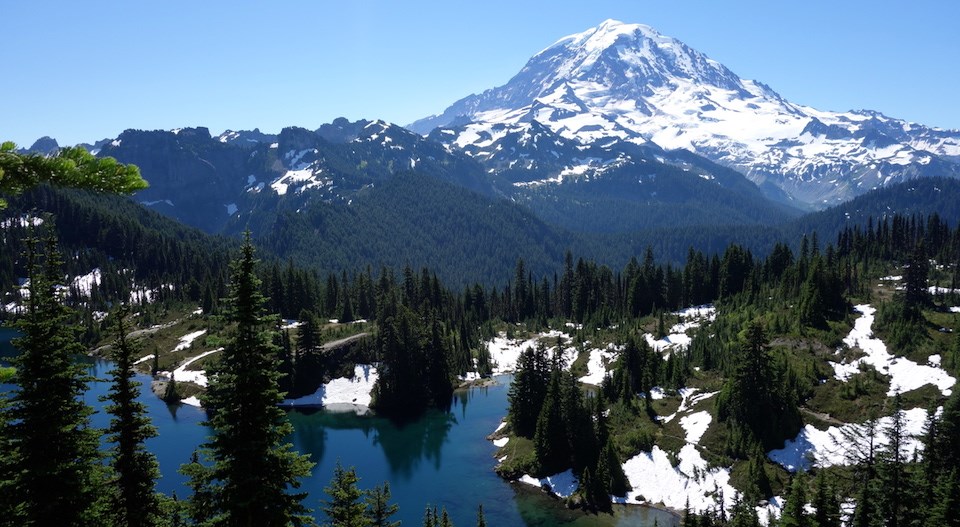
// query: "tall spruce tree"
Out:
[379,509]
[346,507]
[133,499]
[59,475]
[8,463]
[253,470]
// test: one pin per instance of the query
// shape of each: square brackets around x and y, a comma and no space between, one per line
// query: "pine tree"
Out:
[826,503]
[445,519]
[200,507]
[346,507]
[481,520]
[891,468]
[527,391]
[429,517]
[552,453]
[69,167]
[133,500]
[252,469]
[379,509]
[8,463]
[794,514]
[58,463]
[946,506]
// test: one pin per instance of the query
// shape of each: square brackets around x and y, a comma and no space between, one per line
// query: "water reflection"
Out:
[440,459]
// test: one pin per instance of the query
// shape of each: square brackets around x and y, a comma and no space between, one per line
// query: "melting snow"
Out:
[905,375]
[356,390]
[187,340]
[84,283]
[198,377]
[596,366]
[835,445]
[504,352]
[695,425]
[563,484]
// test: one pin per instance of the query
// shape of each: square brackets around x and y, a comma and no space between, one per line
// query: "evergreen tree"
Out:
[200,507]
[252,470]
[826,503]
[891,468]
[379,509]
[481,520]
[346,507]
[528,390]
[59,475]
[133,500]
[794,514]
[744,515]
[8,464]
[552,453]
[69,167]
[444,519]
[429,517]
[915,294]
[755,403]
[946,506]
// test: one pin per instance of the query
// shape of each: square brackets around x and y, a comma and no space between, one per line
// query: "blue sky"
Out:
[82,71]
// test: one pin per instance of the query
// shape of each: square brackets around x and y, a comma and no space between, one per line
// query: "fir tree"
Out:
[69,167]
[794,514]
[552,453]
[133,500]
[826,503]
[379,509]
[58,463]
[946,506]
[481,520]
[346,507]
[252,469]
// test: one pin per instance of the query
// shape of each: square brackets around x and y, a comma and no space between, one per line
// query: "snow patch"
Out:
[839,445]
[695,425]
[187,340]
[905,375]
[596,366]
[356,390]
[563,484]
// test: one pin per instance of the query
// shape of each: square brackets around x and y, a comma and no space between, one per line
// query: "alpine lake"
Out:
[441,459]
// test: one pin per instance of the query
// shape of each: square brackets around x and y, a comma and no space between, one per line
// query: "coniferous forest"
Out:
[779,316]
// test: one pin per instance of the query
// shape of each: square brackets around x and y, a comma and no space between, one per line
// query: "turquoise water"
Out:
[441,459]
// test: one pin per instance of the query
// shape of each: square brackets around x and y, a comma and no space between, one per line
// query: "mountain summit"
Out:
[622,82]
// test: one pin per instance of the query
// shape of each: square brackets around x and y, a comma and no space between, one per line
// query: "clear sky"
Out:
[83,71]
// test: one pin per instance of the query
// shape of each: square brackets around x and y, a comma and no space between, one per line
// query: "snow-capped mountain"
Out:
[210,181]
[627,83]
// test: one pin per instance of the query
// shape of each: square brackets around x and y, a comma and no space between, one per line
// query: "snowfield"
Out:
[198,377]
[563,484]
[678,339]
[356,391]
[838,445]
[597,365]
[187,340]
[505,352]
[905,375]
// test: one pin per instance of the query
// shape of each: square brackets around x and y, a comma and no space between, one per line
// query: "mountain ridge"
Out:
[628,83]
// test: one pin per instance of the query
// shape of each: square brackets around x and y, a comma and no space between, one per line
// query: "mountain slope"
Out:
[204,181]
[628,83]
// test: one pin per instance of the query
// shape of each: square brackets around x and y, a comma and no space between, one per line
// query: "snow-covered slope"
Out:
[628,83]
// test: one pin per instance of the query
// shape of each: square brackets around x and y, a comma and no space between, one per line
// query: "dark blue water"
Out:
[442,459]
